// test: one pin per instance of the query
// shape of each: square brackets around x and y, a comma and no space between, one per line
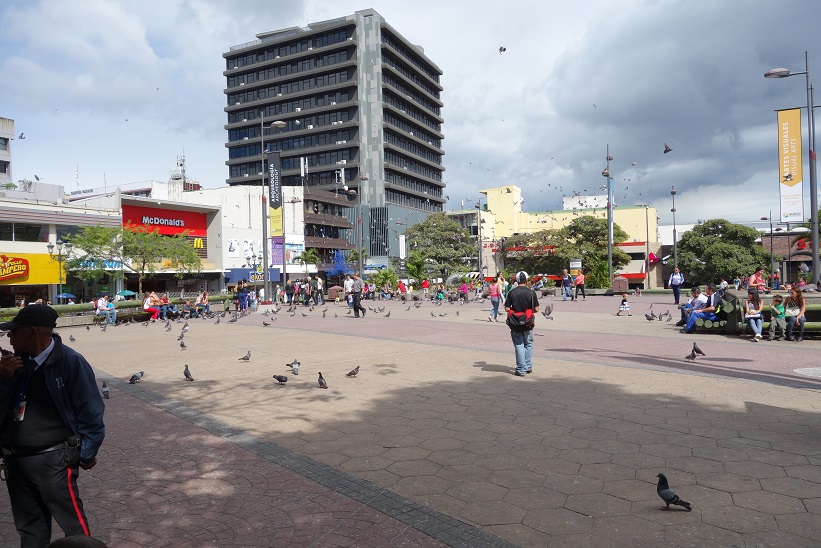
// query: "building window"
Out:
[4,167]
[21,232]
[4,143]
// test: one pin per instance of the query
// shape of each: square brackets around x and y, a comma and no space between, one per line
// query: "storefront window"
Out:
[66,232]
[30,233]
[7,232]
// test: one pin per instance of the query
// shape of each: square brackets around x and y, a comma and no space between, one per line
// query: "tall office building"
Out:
[359,102]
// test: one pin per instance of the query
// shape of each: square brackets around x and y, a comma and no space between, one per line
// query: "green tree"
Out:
[415,264]
[442,243]
[550,251]
[385,276]
[137,248]
[720,249]
[353,257]
[309,256]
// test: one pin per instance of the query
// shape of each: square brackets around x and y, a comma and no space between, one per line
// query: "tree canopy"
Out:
[719,249]
[102,251]
[443,244]
[550,251]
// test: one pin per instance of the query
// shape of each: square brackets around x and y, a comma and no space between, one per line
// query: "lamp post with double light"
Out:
[784,73]
[60,258]
[606,173]
[277,125]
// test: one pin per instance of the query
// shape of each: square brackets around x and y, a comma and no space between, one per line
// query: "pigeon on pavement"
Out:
[187,373]
[136,377]
[294,366]
[353,372]
[183,346]
[246,358]
[71,338]
[321,380]
[668,496]
[182,336]
[697,350]
[691,356]
[281,379]
[106,393]
[265,324]
[388,315]
[650,317]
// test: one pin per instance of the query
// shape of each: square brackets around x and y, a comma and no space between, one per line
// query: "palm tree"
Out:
[309,256]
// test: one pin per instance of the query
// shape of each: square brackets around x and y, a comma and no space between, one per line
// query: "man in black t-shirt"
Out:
[522,299]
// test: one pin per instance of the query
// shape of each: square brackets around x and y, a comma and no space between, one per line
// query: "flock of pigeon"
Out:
[651,317]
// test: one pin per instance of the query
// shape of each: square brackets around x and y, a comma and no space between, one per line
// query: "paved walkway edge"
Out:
[437,525]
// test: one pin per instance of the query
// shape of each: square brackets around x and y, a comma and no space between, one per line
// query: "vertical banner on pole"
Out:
[791,178]
[275,194]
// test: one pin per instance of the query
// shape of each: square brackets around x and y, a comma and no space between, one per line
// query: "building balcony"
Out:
[323,219]
[327,243]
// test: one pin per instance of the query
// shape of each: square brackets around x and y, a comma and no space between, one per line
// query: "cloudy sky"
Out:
[121,88]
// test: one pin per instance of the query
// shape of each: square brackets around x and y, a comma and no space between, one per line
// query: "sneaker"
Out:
[519,374]
[681,324]
[799,339]
[529,371]
[758,336]
[754,339]
[490,318]
[780,339]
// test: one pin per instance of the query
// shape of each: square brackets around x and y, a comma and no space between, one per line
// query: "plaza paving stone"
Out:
[437,443]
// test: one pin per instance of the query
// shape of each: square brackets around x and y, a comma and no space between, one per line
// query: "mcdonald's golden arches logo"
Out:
[198,243]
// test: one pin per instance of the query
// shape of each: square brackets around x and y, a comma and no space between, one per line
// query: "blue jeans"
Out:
[110,315]
[791,321]
[494,312]
[567,291]
[523,345]
[691,323]
[676,292]
[755,325]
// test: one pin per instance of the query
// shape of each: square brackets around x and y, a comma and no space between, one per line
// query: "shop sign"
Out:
[13,267]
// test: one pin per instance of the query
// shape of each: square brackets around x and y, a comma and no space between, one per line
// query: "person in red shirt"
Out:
[425,287]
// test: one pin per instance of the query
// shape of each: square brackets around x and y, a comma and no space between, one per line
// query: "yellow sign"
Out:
[276,221]
[791,177]
[41,269]
[197,243]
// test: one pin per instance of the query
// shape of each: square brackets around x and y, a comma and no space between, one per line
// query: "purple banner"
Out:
[277,245]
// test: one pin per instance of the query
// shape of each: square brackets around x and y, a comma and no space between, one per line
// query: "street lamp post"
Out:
[675,236]
[606,173]
[784,73]
[265,282]
[352,195]
[60,258]
[772,257]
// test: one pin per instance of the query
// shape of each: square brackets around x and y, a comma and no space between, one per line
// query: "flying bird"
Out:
[548,310]
[136,377]
[321,381]
[187,373]
[667,148]
[246,358]
[353,372]
[106,393]
[697,350]
[668,496]
[502,49]
[281,379]
[21,136]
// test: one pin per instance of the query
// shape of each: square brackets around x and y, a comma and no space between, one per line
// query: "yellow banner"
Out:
[276,222]
[790,165]
[28,269]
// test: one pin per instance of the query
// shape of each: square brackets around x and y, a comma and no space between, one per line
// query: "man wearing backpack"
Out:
[521,306]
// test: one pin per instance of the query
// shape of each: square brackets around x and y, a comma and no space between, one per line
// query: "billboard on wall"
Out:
[167,221]
[29,269]
[791,176]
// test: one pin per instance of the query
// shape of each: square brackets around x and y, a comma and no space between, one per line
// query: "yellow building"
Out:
[504,218]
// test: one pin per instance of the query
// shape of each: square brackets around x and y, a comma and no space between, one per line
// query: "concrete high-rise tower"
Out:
[359,102]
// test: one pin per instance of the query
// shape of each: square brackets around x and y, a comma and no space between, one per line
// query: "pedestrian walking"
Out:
[521,306]
[51,424]
[356,290]
[676,279]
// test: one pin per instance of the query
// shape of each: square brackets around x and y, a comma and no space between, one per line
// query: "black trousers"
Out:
[357,304]
[41,487]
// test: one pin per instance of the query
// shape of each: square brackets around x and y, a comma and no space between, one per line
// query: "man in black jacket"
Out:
[521,306]
[51,424]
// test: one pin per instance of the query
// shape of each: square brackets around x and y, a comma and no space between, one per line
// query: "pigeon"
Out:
[321,380]
[281,379]
[105,326]
[266,313]
[185,326]
[650,317]
[294,366]
[292,314]
[353,372]
[323,313]
[106,393]
[146,324]
[432,315]
[187,373]
[218,321]
[167,329]
[349,311]
[264,323]
[183,346]
[388,315]
[443,315]
[548,310]
[304,315]
[667,148]
[246,358]
[697,350]
[136,377]
[71,338]
[182,336]
[691,356]
[457,312]
[502,49]
[407,309]
[652,314]
[669,317]
[88,328]
[668,496]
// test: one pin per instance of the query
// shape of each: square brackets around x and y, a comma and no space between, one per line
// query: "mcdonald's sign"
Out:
[198,243]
